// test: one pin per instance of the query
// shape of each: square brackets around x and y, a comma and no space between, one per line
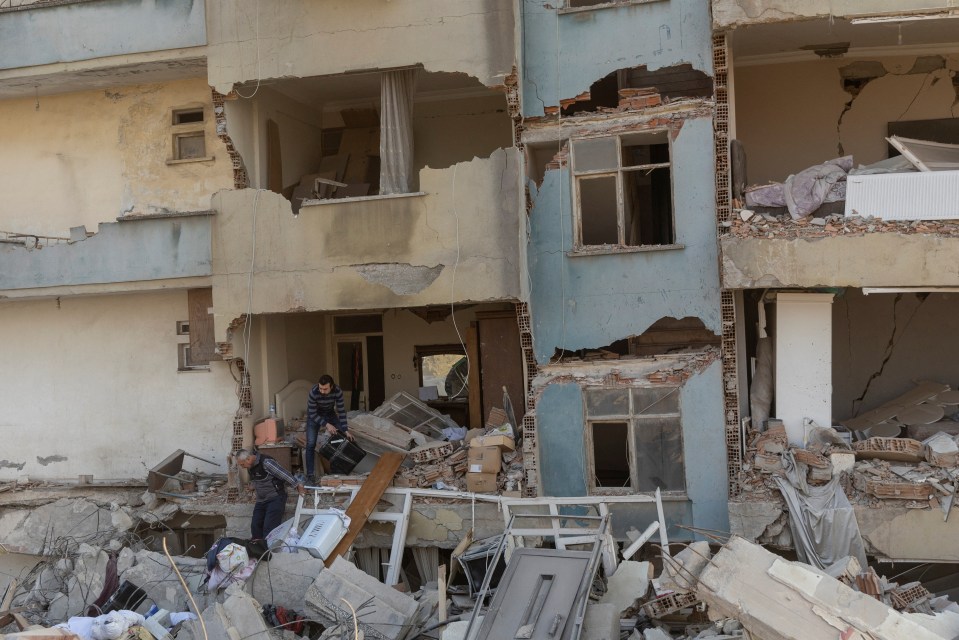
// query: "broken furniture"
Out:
[168,469]
[476,562]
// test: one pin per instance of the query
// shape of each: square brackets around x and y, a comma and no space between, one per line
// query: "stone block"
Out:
[630,582]
[283,580]
[244,614]
[384,611]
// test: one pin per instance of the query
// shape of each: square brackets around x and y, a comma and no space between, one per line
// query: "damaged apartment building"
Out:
[205,215]
[209,205]
[835,134]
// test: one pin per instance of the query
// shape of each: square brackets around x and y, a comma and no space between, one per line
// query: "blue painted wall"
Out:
[89,30]
[562,454]
[565,52]
[120,252]
[591,301]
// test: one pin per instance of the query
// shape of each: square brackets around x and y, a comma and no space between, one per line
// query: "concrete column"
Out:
[803,361]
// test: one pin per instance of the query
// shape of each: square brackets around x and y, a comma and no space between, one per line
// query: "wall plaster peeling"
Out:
[50,459]
[401,279]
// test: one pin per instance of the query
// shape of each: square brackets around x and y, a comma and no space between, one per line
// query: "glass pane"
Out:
[611,454]
[659,454]
[645,148]
[655,400]
[597,205]
[193,146]
[358,324]
[607,402]
[595,153]
[648,206]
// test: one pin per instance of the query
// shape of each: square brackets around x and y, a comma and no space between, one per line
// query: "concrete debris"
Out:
[601,622]
[383,611]
[776,599]
[630,583]
[785,228]
[681,571]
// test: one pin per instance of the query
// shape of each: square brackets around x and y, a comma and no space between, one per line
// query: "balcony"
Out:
[131,255]
[272,39]
[728,14]
[456,240]
[98,43]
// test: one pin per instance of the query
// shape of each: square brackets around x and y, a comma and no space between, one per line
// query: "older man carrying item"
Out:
[269,482]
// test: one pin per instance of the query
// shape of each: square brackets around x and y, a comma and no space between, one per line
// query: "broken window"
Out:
[189,134]
[444,368]
[634,438]
[623,188]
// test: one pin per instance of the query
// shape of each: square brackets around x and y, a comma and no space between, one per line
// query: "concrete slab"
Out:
[601,622]
[631,581]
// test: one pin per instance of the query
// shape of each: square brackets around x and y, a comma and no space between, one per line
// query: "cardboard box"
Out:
[267,431]
[484,460]
[503,442]
[473,433]
[481,482]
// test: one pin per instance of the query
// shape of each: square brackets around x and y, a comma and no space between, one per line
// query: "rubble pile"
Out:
[747,223]
[879,470]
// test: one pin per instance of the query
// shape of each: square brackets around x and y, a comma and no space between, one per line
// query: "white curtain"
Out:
[396,130]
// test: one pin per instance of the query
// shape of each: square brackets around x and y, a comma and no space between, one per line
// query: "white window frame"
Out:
[633,418]
[618,172]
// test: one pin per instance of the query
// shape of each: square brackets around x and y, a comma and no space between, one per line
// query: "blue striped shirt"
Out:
[327,406]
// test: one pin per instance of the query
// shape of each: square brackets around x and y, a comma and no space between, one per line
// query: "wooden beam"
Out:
[6,615]
[366,499]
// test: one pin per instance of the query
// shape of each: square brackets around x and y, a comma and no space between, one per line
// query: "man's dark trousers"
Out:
[267,516]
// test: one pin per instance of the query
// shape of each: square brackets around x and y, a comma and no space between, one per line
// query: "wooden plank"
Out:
[202,342]
[476,395]
[7,617]
[366,499]
[441,587]
[501,362]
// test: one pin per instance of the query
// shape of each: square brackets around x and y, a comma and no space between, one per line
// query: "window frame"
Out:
[188,130]
[618,172]
[425,350]
[632,419]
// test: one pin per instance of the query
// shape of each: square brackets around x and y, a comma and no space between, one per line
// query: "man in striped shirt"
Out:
[269,482]
[324,408]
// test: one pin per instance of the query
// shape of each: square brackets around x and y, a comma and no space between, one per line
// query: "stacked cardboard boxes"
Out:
[484,462]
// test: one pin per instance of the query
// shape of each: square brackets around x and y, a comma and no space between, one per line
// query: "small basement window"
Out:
[623,190]
[189,134]
[634,440]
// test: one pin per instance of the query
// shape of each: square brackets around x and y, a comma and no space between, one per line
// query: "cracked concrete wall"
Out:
[316,261]
[93,380]
[562,455]
[88,30]
[792,116]
[87,157]
[591,301]
[150,249]
[870,260]
[257,39]
[883,343]
[564,52]
[732,13]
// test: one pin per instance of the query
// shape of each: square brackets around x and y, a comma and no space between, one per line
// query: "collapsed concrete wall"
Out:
[456,241]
